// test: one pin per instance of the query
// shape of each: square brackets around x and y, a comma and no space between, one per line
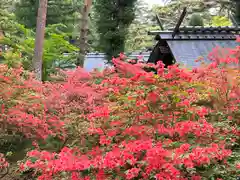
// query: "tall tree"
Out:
[4,13]
[59,11]
[227,7]
[112,20]
[38,50]
[6,4]
[236,11]
[170,13]
[84,32]
[6,21]
[137,38]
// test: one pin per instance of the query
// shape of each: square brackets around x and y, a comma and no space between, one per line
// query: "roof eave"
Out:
[206,37]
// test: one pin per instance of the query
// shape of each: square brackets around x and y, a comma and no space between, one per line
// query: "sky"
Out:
[152,2]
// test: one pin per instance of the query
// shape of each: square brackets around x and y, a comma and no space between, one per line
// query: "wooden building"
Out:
[187,44]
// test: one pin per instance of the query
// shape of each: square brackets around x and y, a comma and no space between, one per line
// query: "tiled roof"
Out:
[190,43]
[186,52]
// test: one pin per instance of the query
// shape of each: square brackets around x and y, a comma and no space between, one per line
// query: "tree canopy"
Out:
[112,21]
[59,11]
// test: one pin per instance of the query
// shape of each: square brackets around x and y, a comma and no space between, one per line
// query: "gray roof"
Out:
[186,52]
[190,43]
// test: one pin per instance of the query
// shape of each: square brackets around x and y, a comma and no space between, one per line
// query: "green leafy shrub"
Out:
[220,21]
[20,42]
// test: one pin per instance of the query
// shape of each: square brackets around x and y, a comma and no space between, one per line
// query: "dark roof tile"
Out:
[186,52]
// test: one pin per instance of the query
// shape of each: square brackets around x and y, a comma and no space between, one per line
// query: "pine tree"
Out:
[138,38]
[26,12]
[59,11]
[6,19]
[112,21]
[236,11]
[5,4]
[170,13]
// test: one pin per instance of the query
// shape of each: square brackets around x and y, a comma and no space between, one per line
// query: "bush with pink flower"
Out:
[176,124]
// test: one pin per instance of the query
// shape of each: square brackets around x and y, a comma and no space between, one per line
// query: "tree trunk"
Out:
[40,32]
[84,32]
[237,13]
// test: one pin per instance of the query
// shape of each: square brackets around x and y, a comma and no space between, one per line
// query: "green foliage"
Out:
[26,13]
[6,4]
[196,20]
[138,38]
[220,21]
[6,18]
[112,22]
[59,11]
[55,46]
[16,37]
[236,10]
[170,13]
[21,46]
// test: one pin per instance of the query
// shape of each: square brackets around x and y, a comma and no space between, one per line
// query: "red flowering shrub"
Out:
[23,106]
[73,98]
[130,124]
[178,124]
[3,162]
[4,165]
[24,117]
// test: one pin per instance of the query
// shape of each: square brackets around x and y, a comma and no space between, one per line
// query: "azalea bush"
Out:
[24,118]
[23,105]
[126,123]
[133,124]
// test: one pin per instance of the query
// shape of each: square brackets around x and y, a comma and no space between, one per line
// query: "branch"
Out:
[6,173]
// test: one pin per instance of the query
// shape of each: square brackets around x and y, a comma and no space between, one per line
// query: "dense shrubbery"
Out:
[20,42]
[129,124]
